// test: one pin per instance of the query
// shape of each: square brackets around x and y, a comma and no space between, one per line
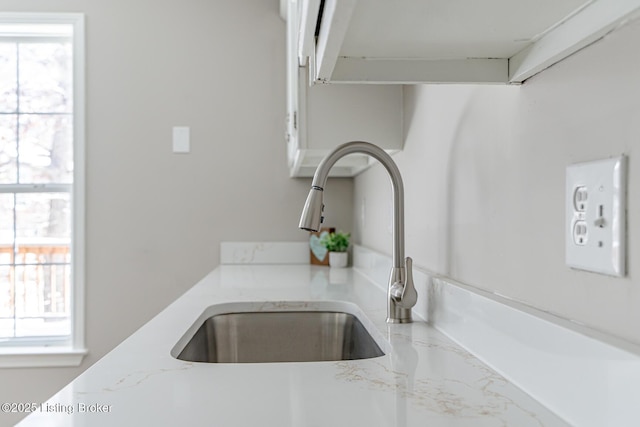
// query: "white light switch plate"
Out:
[595,224]
[181,143]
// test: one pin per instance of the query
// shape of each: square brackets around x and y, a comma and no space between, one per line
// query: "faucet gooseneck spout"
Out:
[401,294]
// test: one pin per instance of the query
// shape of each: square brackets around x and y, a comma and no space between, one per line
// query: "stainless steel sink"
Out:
[280,336]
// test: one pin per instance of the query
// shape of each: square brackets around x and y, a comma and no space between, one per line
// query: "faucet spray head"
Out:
[312,212]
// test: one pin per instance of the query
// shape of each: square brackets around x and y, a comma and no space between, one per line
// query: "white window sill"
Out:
[40,357]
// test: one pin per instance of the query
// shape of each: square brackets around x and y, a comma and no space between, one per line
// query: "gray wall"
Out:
[484,170]
[155,219]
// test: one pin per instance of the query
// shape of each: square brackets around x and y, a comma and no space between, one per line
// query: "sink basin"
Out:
[279,336]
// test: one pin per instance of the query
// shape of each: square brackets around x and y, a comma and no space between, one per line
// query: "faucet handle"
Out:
[410,295]
[405,294]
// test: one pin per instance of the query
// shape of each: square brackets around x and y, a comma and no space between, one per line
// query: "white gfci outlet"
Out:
[596,216]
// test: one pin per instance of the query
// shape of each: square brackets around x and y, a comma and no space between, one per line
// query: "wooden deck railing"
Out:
[35,280]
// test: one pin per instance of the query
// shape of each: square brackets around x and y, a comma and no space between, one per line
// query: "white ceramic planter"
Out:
[338,259]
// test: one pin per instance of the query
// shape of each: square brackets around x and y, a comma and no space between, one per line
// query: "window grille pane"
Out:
[7,298]
[6,292]
[43,218]
[45,148]
[6,228]
[42,300]
[45,75]
[8,78]
[8,149]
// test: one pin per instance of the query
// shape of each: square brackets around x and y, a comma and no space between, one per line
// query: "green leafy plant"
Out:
[336,242]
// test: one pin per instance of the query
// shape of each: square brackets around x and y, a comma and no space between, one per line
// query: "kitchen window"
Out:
[41,189]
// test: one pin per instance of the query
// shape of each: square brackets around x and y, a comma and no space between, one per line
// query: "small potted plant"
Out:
[337,245]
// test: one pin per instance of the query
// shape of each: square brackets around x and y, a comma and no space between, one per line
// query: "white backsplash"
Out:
[586,378]
[264,253]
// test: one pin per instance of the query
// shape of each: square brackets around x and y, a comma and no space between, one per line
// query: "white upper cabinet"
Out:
[448,41]
[321,117]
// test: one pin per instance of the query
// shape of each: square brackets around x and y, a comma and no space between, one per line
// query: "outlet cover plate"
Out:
[595,237]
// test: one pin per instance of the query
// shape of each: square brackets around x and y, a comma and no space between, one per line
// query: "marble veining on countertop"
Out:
[425,379]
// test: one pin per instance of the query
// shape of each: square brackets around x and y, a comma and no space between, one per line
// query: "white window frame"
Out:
[69,353]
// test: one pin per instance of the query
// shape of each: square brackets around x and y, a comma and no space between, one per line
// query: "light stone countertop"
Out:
[424,380]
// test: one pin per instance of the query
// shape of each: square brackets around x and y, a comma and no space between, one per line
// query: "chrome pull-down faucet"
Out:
[401,294]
